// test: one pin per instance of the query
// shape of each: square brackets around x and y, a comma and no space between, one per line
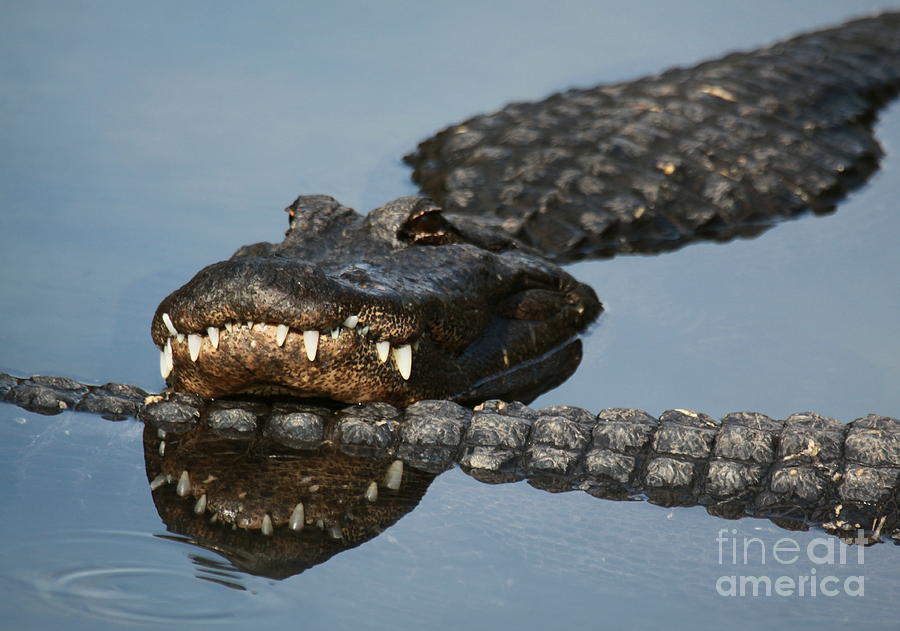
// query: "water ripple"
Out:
[143,579]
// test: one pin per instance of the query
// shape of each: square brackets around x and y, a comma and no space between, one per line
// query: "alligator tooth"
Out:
[335,532]
[168,322]
[351,322]
[180,337]
[213,333]
[162,448]
[184,484]
[281,334]
[158,481]
[266,526]
[200,506]
[335,332]
[311,342]
[297,518]
[394,475]
[163,365]
[403,359]
[383,348]
[194,341]
[372,491]
[250,324]
[229,327]
[170,360]
[363,330]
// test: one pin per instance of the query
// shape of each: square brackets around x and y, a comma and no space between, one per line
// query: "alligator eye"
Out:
[426,225]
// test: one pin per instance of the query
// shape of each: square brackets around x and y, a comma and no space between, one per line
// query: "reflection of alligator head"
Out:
[313,503]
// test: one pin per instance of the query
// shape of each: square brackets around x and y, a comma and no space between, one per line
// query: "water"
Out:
[142,142]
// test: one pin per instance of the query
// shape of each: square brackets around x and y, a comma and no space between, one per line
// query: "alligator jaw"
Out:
[397,306]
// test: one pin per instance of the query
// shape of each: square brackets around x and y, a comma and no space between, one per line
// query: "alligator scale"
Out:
[458,295]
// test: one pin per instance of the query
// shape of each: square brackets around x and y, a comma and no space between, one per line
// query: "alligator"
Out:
[457,295]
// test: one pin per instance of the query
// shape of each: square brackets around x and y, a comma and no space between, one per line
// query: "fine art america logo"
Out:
[787,568]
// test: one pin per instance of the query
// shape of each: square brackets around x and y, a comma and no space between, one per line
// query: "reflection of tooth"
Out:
[184,484]
[213,333]
[403,359]
[297,518]
[194,341]
[351,322]
[168,322]
[311,342]
[281,334]
[335,532]
[229,327]
[394,475]
[266,526]
[383,349]
[170,361]
[372,491]
[200,506]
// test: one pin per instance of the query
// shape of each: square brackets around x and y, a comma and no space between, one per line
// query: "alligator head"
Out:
[399,305]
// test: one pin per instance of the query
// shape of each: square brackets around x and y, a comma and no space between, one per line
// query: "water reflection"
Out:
[276,505]
[314,503]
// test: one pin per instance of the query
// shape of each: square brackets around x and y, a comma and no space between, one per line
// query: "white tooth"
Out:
[403,359]
[281,334]
[180,337]
[351,322]
[296,522]
[194,341]
[168,322]
[200,506]
[394,475]
[311,342]
[249,324]
[162,448]
[213,333]
[335,332]
[266,526]
[184,484]
[158,481]
[163,364]
[383,348]
[229,327]
[372,491]
[363,330]
[170,361]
